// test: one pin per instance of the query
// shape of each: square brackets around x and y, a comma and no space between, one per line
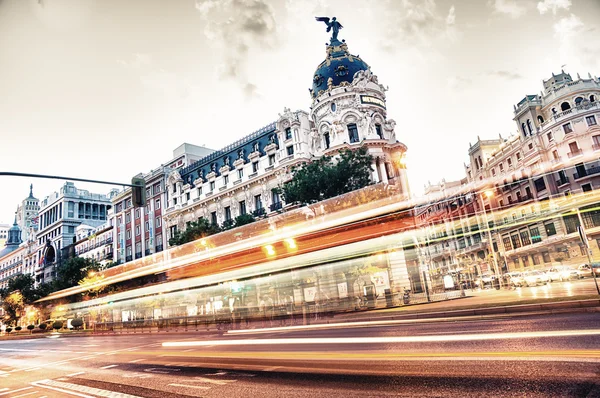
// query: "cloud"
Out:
[451,18]
[418,22]
[509,7]
[458,82]
[567,27]
[506,74]
[553,5]
[237,27]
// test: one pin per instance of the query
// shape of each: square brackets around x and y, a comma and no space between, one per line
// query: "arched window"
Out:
[523,128]
[592,98]
[565,106]
[529,126]
[578,100]
[554,111]
[540,119]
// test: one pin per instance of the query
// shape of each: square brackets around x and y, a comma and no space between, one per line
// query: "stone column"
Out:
[382,171]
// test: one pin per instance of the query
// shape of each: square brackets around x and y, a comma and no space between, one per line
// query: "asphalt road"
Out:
[537,356]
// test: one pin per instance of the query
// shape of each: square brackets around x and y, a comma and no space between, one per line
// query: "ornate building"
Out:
[27,215]
[554,155]
[11,256]
[348,111]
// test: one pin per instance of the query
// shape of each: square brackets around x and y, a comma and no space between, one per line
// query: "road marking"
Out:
[388,339]
[190,350]
[79,390]
[234,374]
[136,376]
[75,374]
[3,389]
[109,366]
[136,360]
[24,395]
[272,368]
[211,381]
[13,391]
[161,370]
[188,386]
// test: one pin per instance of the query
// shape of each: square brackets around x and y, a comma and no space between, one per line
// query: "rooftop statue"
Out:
[331,25]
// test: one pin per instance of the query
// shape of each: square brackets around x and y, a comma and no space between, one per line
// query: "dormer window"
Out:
[565,106]
[379,131]
[288,133]
[540,119]
[578,101]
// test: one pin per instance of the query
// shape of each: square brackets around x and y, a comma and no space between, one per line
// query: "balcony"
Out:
[128,259]
[587,172]
[276,206]
[596,147]
[138,255]
[159,248]
[576,152]
[259,212]
[556,160]
[147,252]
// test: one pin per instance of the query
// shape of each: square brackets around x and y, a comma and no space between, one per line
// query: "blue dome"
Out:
[340,67]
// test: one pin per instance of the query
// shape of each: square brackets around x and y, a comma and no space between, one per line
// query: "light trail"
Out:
[386,340]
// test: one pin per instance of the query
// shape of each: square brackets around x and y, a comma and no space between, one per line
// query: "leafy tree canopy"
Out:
[72,271]
[328,177]
[194,231]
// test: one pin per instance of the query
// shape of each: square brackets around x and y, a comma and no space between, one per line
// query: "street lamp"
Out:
[489,194]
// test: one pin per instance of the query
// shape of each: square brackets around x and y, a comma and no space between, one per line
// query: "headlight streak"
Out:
[385,340]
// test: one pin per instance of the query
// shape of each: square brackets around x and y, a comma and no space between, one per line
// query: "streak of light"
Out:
[387,339]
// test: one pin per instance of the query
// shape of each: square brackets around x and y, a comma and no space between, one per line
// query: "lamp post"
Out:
[489,194]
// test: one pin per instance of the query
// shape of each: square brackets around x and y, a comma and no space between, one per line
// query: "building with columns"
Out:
[11,256]
[60,214]
[514,181]
[348,111]
[27,215]
[95,243]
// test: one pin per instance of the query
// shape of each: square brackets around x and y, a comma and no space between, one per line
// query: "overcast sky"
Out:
[107,89]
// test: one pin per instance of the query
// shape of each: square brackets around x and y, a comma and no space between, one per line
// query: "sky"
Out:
[107,89]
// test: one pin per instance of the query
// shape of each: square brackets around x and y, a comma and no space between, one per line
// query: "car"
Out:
[514,279]
[584,270]
[562,273]
[535,277]
[485,280]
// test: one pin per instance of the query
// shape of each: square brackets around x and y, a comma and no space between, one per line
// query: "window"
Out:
[586,187]
[254,167]
[540,185]
[156,188]
[549,136]
[187,196]
[493,172]
[529,126]
[157,204]
[199,191]
[128,234]
[501,166]
[173,230]
[174,188]
[138,230]
[128,203]
[271,159]
[379,131]
[228,213]
[555,154]
[147,225]
[574,148]
[290,150]
[212,186]
[530,146]
[509,161]
[550,229]
[225,180]
[571,223]
[540,119]
[240,173]
[516,242]
[127,217]
[353,132]
[288,133]
[242,207]
[565,106]
[592,98]
[591,120]
[326,140]
[523,129]
[567,128]
[525,238]
[213,217]
[535,235]
[257,202]
[518,156]
[578,101]
[174,201]
[158,222]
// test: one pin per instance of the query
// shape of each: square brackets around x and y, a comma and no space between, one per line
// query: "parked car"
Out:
[485,280]
[535,277]
[585,271]
[562,273]
[514,279]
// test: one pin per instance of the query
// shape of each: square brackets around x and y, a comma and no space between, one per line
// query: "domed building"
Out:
[11,256]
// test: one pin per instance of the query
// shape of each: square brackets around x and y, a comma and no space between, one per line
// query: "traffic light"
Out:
[138,192]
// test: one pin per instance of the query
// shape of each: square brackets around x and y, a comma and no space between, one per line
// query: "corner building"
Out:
[348,111]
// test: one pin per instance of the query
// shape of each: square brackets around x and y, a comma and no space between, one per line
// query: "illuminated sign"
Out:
[368,99]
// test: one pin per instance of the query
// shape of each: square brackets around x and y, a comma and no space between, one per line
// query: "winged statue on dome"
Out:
[332,25]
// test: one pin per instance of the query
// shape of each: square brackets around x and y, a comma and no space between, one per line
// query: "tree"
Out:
[328,177]
[238,221]
[72,271]
[92,281]
[194,231]
[19,293]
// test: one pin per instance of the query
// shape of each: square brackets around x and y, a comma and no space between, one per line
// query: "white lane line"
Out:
[3,389]
[79,390]
[161,370]
[24,395]
[199,379]
[13,391]
[136,360]
[188,386]
[460,332]
[75,374]
[109,366]
[58,351]
[388,339]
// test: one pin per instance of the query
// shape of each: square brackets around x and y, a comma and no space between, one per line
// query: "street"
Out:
[536,356]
